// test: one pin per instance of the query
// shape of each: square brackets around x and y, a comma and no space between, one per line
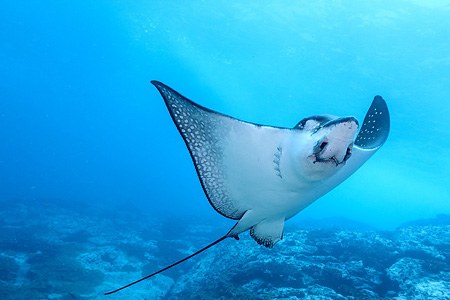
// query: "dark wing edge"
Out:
[198,125]
[376,125]
[164,90]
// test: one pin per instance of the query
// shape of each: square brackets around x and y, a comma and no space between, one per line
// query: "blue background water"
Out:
[79,121]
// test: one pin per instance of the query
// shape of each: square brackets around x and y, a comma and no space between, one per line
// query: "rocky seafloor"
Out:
[53,252]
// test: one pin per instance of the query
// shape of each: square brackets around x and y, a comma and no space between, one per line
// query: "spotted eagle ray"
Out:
[264,175]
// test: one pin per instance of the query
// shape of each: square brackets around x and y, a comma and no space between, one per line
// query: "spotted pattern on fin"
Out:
[268,232]
[201,129]
[268,243]
[375,128]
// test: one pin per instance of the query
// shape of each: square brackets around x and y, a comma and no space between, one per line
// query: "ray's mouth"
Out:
[319,149]
[332,159]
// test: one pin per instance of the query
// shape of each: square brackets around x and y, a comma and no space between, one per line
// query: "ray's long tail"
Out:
[168,267]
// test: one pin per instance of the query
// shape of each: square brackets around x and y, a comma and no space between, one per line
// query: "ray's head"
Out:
[327,144]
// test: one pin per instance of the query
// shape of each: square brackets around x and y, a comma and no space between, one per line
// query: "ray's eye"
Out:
[319,147]
[323,145]
[348,154]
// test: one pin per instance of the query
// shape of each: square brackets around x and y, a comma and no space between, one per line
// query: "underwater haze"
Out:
[90,159]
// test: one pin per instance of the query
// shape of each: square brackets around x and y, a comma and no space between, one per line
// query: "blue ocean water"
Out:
[82,128]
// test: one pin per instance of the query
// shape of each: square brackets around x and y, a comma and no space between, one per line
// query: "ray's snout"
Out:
[350,121]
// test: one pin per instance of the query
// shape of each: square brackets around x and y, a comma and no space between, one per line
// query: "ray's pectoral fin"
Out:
[376,125]
[373,133]
[206,134]
[268,232]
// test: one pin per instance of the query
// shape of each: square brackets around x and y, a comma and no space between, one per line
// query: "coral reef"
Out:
[52,252]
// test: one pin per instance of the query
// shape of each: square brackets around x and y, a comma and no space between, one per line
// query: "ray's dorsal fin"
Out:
[168,267]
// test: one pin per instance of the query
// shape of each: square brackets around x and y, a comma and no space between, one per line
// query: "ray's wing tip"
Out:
[157,83]
[376,125]
[378,99]
[379,103]
[164,90]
